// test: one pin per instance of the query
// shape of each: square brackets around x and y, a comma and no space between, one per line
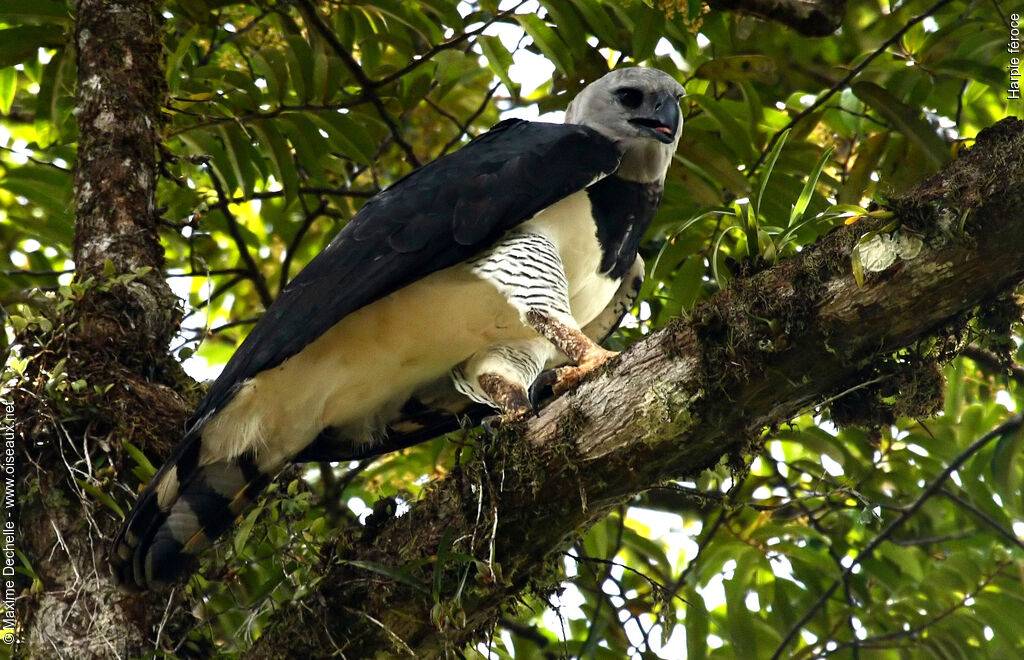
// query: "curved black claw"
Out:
[542,390]
[490,425]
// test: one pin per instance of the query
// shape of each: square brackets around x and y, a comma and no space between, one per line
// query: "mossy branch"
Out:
[787,340]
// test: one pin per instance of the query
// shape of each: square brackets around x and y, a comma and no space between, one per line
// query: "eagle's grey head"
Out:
[638,109]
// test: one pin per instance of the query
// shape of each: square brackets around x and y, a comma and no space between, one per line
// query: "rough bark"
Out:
[770,346]
[113,339]
[120,93]
[813,18]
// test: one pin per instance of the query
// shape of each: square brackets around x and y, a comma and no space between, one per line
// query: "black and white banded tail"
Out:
[185,507]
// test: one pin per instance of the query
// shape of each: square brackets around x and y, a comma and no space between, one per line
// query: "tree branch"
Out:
[425,57]
[116,333]
[813,18]
[991,363]
[1011,425]
[674,405]
[367,85]
[848,78]
[252,269]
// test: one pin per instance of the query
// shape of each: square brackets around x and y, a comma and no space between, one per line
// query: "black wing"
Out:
[435,217]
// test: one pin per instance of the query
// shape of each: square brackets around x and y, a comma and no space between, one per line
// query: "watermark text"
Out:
[1013,48]
[8,530]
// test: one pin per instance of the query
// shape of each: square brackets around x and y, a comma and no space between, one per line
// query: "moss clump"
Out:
[904,387]
[994,324]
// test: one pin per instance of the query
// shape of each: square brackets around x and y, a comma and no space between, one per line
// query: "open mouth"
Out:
[660,131]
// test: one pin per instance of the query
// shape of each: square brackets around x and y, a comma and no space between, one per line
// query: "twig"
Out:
[984,517]
[842,84]
[338,191]
[454,41]
[1011,425]
[207,273]
[611,564]
[243,274]
[43,163]
[991,362]
[464,127]
[252,269]
[928,540]
[231,324]
[293,245]
[35,273]
[878,641]
[243,119]
[314,20]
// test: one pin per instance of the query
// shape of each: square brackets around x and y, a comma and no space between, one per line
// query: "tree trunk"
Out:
[98,376]
[769,347]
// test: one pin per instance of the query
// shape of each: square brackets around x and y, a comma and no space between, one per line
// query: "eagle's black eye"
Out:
[631,97]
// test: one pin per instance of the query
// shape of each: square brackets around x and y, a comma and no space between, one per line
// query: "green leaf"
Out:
[651,282]
[969,70]
[750,229]
[402,575]
[270,65]
[1005,463]
[412,18]
[43,11]
[176,59]
[446,11]
[300,65]
[720,278]
[733,133]
[739,619]
[906,119]
[549,43]
[244,530]
[805,195]
[241,156]
[143,468]
[8,88]
[277,150]
[647,30]
[103,498]
[860,174]
[202,143]
[738,68]
[499,60]
[348,135]
[443,550]
[306,141]
[19,44]
[857,268]
[769,167]
[603,25]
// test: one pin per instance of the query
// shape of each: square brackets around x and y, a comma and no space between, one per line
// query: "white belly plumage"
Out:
[377,356]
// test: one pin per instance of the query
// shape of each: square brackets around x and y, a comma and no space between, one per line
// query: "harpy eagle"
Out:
[456,286]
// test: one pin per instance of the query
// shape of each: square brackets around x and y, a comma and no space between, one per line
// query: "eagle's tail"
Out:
[185,507]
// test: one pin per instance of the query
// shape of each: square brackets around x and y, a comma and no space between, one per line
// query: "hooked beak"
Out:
[663,122]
